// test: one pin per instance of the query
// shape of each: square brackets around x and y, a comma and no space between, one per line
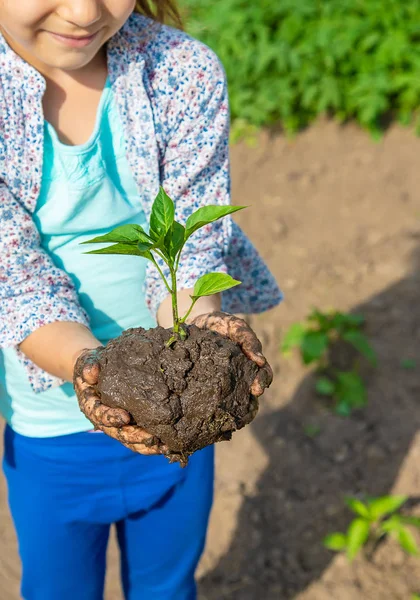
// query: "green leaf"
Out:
[323,320]
[293,337]
[325,386]
[311,431]
[162,216]
[335,541]
[128,249]
[408,542]
[125,234]
[350,392]
[391,525]
[313,346]
[408,363]
[414,521]
[358,507]
[359,341]
[343,321]
[208,214]
[356,320]
[343,409]
[213,283]
[144,247]
[380,507]
[357,536]
[174,239]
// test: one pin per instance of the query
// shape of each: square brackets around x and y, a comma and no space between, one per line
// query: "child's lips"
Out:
[74,41]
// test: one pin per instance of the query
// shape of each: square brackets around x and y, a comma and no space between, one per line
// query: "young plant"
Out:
[315,337]
[376,519]
[408,363]
[311,431]
[165,240]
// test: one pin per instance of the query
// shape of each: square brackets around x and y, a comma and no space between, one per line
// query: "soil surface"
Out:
[337,217]
[188,396]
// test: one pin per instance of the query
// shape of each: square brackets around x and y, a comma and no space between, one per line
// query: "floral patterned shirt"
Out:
[172,98]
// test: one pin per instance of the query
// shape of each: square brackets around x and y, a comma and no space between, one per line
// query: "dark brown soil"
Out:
[188,396]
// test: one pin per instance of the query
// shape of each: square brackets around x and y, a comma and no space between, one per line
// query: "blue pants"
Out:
[65,492]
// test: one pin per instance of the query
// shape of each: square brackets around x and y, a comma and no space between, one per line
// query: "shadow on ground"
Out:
[276,550]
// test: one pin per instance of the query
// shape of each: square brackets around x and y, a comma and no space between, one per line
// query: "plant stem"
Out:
[161,274]
[375,539]
[177,260]
[174,300]
[189,312]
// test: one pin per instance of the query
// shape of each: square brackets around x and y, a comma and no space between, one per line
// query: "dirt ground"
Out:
[337,217]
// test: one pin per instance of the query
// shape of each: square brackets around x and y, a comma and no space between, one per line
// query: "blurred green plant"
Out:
[311,431]
[376,519]
[243,130]
[408,363]
[315,337]
[289,61]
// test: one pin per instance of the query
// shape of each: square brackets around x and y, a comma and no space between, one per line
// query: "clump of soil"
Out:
[188,396]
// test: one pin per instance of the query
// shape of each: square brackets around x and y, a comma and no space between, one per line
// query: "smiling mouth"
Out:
[74,41]
[75,37]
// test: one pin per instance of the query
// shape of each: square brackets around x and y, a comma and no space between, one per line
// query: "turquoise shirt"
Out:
[87,190]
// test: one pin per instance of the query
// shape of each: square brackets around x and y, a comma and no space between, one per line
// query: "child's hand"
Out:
[115,422]
[239,331]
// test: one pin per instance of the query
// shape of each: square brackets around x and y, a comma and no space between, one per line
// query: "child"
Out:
[99,105]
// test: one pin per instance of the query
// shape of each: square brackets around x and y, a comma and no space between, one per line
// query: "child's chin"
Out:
[69,60]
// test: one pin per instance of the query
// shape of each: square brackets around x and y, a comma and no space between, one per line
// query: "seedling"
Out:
[314,338]
[165,394]
[408,363]
[164,242]
[376,519]
[311,431]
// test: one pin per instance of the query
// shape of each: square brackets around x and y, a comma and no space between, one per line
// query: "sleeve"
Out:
[33,291]
[195,169]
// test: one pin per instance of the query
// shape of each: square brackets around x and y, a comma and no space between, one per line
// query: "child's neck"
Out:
[67,91]
[93,75]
